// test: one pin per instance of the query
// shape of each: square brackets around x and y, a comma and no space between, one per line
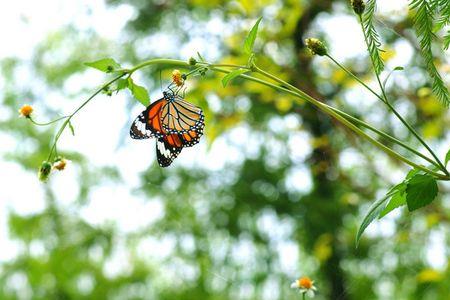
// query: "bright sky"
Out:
[25,23]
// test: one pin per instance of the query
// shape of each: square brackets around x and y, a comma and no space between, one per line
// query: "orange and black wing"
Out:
[183,118]
[148,123]
[167,149]
[191,138]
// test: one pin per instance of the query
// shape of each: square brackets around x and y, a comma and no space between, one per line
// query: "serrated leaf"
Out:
[372,36]
[72,130]
[374,211]
[446,41]
[251,37]
[106,65]
[233,74]
[447,157]
[420,191]
[139,92]
[423,22]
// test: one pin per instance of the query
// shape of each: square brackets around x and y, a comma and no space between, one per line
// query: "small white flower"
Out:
[305,286]
[60,163]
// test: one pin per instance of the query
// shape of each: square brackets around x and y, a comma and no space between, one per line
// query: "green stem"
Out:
[384,135]
[48,123]
[355,77]
[193,71]
[224,65]
[159,61]
[387,103]
[385,100]
[339,115]
[350,125]
[362,123]
[304,296]
[68,118]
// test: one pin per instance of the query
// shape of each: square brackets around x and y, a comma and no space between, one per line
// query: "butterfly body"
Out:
[174,122]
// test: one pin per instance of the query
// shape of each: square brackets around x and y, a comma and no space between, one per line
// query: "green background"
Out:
[275,191]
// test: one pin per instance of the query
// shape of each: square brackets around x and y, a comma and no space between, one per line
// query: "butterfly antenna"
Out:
[181,87]
[170,88]
[160,80]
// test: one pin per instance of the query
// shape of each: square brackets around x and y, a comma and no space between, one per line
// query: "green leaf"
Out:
[251,37]
[397,200]
[372,36]
[447,157]
[139,92]
[379,208]
[233,74]
[447,40]
[399,68]
[71,128]
[106,65]
[412,173]
[423,22]
[121,84]
[420,191]
[374,211]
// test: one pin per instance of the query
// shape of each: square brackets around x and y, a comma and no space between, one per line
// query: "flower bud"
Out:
[44,171]
[26,110]
[192,61]
[316,46]
[358,6]
[202,71]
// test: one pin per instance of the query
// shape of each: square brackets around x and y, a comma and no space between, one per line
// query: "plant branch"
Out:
[339,115]
[386,101]
[343,120]
[47,123]
[392,109]
[69,117]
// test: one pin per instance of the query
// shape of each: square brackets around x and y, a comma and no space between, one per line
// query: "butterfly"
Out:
[174,122]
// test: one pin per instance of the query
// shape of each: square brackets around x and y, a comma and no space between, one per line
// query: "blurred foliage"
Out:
[247,229]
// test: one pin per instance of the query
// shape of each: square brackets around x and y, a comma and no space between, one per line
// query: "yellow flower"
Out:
[305,286]
[177,77]
[26,110]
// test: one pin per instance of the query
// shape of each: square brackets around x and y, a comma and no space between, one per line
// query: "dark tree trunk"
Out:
[326,219]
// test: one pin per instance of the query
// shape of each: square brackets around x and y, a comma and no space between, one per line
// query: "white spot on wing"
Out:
[162,149]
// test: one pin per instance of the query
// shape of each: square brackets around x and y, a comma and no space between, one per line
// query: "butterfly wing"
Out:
[167,149]
[175,124]
[180,116]
[183,118]
[148,123]
[191,138]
